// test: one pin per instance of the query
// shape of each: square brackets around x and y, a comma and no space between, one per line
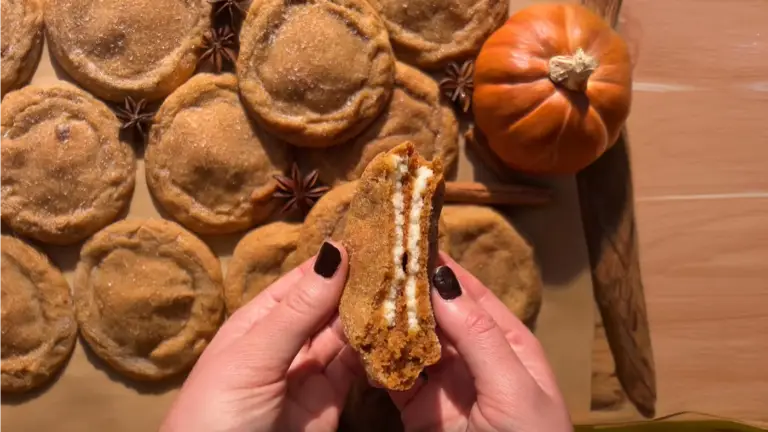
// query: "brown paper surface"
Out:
[89,396]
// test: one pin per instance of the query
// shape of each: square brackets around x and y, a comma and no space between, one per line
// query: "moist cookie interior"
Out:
[314,58]
[404,314]
[124,38]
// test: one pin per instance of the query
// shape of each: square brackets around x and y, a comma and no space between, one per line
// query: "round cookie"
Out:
[21,41]
[327,220]
[148,296]
[207,164]
[38,318]
[117,48]
[489,247]
[65,172]
[259,259]
[315,72]
[432,33]
[415,113]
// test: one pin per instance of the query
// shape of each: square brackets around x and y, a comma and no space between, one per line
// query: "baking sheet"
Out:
[89,396]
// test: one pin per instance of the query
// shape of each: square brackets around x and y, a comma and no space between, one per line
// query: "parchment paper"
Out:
[89,396]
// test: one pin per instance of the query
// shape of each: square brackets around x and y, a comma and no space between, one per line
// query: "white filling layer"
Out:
[414,236]
[412,245]
[398,202]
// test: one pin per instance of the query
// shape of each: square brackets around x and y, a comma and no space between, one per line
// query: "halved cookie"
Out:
[118,48]
[148,296]
[391,238]
[489,247]
[259,259]
[415,113]
[327,219]
[207,164]
[22,41]
[314,72]
[432,33]
[38,325]
[65,172]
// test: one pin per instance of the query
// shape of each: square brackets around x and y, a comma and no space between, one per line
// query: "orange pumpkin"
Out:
[553,88]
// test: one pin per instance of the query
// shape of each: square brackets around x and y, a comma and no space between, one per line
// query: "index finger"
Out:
[257,308]
[523,342]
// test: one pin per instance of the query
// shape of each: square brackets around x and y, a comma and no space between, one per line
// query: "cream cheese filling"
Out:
[403,245]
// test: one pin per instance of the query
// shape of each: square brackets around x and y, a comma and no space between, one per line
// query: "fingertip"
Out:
[330,258]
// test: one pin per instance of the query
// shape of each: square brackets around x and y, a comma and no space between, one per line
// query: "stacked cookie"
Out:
[321,85]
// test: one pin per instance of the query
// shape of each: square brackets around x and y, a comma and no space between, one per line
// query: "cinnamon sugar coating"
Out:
[118,48]
[148,296]
[259,259]
[315,73]
[432,33]
[22,41]
[394,348]
[65,172]
[39,328]
[207,163]
[489,247]
[328,218]
[415,113]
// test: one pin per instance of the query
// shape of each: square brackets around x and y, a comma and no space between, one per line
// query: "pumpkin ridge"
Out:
[555,149]
[600,120]
[512,121]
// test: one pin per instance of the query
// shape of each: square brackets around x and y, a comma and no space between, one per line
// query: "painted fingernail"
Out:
[328,260]
[446,283]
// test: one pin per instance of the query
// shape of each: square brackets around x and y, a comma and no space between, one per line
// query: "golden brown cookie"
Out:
[415,113]
[432,33]
[148,296]
[38,325]
[118,48]
[65,173]
[490,248]
[21,42]
[206,162]
[315,72]
[259,259]
[391,239]
[327,219]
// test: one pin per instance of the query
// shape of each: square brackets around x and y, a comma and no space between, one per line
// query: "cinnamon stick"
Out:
[496,194]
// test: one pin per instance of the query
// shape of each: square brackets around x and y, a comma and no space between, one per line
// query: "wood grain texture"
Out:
[707,292]
[607,394]
[699,137]
[607,207]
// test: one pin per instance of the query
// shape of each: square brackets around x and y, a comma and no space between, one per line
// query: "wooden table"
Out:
[699,142]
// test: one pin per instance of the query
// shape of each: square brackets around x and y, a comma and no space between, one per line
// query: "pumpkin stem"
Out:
[573,71]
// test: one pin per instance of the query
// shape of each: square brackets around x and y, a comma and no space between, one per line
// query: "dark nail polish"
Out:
[446,283]
[328,260]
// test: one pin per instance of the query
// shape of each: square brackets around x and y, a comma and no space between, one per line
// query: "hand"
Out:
[493,375]
[279,363]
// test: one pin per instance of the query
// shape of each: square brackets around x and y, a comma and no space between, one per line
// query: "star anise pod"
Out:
[459,83]
[234,8]
[300,191]
[135,116]
[219,45]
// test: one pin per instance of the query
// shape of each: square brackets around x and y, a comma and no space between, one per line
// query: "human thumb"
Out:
[305,309]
